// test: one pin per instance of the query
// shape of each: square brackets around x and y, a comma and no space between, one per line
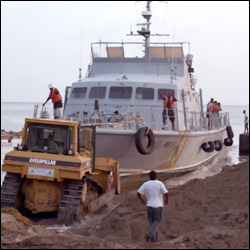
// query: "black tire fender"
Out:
[145,140]
[218,145]
[228,142]
[230,132]
[208,147]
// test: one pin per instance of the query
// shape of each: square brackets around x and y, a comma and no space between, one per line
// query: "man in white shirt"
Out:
[154,191]
[245,121]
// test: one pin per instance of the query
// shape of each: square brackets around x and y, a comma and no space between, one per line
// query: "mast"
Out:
[145,27]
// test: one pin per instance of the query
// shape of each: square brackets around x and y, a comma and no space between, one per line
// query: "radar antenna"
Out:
[145,28]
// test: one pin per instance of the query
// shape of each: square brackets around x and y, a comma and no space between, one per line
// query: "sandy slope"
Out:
[209,213]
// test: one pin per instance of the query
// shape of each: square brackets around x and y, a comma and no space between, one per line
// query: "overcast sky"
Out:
[41,42]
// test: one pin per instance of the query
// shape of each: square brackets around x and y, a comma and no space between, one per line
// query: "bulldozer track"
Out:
[69,206]
[10,189]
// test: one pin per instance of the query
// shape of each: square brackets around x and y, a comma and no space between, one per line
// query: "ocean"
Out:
[14,113]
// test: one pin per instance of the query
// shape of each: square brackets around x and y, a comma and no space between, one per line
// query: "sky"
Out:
[45,42]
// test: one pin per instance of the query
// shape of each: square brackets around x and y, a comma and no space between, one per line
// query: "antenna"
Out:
[80,69]
[81,49]
[145,29]
[163,19]
[173,74]
[172,68]
[80,74]
[100,49]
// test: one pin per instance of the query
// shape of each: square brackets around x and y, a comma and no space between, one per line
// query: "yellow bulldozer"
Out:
[55,169]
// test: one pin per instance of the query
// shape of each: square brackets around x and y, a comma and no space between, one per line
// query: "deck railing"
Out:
[134,118]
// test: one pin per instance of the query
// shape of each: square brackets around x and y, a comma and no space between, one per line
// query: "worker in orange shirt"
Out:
[168,104]
[57,100]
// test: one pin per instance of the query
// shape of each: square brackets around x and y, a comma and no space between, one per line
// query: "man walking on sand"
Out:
[154,191]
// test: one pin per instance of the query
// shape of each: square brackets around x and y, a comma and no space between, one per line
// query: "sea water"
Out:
[13,115]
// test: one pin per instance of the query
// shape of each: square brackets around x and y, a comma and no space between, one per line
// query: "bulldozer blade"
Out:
[101,201]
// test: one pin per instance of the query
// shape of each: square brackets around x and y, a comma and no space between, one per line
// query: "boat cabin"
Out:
[126,80]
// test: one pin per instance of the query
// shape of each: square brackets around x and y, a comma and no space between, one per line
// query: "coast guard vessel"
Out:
[121,95]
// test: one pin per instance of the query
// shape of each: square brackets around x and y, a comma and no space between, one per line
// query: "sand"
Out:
[210,213]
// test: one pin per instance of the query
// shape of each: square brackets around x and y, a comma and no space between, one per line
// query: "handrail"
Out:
[130,118]
[181,43]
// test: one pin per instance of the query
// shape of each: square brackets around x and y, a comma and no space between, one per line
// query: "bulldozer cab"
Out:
[65,138]
[49,138]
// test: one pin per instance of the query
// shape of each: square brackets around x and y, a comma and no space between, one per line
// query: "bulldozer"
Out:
[54,169]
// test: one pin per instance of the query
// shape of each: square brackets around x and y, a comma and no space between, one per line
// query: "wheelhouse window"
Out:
[47,139]
[165,92]
[120,92]
[97,92]
[144,93]
[78,92]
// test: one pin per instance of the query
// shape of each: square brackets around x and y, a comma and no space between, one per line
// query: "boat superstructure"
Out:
[120,93]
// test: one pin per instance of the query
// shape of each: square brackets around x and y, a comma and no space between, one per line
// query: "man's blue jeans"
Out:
[154,220]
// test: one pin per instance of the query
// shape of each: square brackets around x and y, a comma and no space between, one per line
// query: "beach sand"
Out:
[210,213]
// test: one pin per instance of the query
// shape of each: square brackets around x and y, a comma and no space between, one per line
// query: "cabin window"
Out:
[97,92]
[165,92]
[78,92]
[120,92]
[144,93]
[47,139]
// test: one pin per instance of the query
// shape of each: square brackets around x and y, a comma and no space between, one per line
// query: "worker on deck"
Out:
[210,106]
[57,100]
[168,104]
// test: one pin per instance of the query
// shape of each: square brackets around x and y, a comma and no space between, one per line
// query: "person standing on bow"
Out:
[168,104]
[154,191]
[57,100]
[245,121]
